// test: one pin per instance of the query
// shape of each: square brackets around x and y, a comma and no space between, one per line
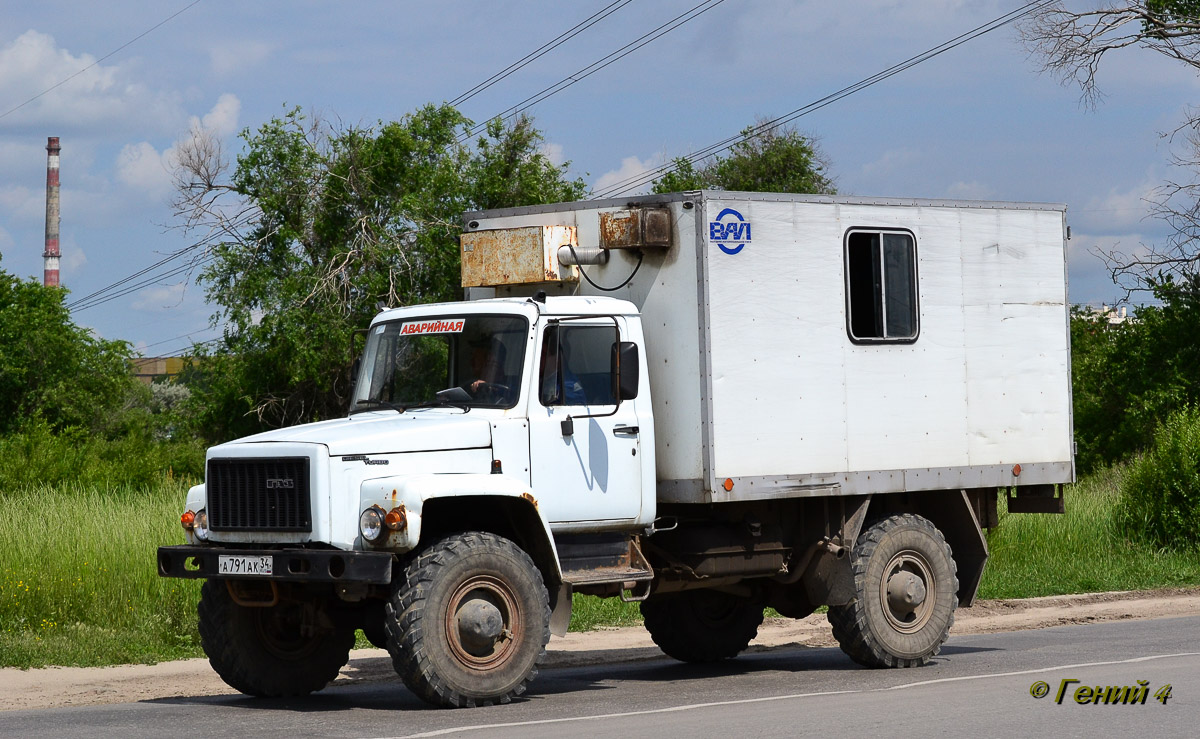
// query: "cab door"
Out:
[589,468]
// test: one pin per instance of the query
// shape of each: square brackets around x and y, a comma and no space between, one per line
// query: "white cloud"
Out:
[970,191]
[1117,209]
[70,88]
[631,167]
[73,258]
[892,161]
[144,168]
[22,203]
[223,118]
[237,56]
[553,152]
[161,298]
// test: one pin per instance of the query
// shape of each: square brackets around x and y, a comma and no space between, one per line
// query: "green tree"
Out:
[1127,378]
[317,227]
[54,370]
[768,158]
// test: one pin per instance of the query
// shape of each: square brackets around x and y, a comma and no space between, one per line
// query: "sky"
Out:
[978,122]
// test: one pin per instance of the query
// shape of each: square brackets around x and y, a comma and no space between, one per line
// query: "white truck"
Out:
[708,402]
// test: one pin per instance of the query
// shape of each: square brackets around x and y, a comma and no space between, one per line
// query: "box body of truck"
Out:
[762,385]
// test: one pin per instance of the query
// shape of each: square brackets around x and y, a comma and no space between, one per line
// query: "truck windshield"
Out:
[465,361]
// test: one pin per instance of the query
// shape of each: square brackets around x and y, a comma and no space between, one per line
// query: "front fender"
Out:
[414,492]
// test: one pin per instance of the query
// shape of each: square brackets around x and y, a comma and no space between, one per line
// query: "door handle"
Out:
[626,430]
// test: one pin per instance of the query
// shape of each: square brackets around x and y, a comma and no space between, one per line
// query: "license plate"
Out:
[229,564]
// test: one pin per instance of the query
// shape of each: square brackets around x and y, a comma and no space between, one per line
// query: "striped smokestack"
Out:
[50,256]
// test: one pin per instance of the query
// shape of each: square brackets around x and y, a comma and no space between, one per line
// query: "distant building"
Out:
[149,369]
[1111,315]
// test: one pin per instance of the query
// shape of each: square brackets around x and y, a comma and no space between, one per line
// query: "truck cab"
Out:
[526,419]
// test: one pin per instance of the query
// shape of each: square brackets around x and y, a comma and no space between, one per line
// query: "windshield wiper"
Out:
[453,397]
[377,403]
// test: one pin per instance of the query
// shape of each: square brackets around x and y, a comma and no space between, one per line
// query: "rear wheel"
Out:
[702,625]
[469,623]
[906,592]
[281,650]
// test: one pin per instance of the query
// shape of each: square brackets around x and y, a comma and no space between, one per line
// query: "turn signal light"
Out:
[188,520]
[396,519]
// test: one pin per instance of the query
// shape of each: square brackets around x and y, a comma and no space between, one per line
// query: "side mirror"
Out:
[625,370]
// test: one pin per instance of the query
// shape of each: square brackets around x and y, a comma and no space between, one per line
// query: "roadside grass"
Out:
[79,587]
[78,581]
[1082,551]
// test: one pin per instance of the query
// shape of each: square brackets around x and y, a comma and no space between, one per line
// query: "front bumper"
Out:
[290,565]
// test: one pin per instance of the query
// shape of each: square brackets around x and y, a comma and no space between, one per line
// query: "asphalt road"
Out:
[978,687]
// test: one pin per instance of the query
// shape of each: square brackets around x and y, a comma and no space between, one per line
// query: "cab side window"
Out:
[576,366]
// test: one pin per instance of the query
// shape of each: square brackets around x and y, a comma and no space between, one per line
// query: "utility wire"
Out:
[176,351]
[152,280]
[651,175]
[95,298]
[181,336]
[536,54]
[170,257]
[106,56]
[596,66]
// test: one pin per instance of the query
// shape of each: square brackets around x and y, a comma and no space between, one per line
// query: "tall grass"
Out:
[78,579]
[1081,551]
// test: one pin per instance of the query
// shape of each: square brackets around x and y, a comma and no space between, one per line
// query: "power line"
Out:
[728,143]
[152,280]
[181,336]
[541,51]
[106,56]
[105,295]
[597,65]
[135,275]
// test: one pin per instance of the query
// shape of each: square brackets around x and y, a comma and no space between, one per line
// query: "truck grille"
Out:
[258,494]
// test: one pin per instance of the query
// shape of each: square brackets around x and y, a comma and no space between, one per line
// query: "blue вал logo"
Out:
[729,235]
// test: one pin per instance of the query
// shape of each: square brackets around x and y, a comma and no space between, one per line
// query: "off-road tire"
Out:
[876,634]
[261,651]
[702,625]
[433,659]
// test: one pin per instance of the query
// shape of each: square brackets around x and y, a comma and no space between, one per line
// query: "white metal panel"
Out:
[777,341]
[1019,359]
[906,403]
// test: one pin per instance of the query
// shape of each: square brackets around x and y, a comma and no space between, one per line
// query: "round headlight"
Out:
[200,525]
[370,523]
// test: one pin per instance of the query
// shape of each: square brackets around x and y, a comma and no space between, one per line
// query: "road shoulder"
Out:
[76,686]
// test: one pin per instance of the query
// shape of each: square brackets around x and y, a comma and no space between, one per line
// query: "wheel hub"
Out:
[479,625]
[483,622]
[904,590]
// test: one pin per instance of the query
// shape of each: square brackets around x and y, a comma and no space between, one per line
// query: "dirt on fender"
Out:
[80,686]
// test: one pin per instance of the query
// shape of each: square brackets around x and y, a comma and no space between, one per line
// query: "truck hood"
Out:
[383,432]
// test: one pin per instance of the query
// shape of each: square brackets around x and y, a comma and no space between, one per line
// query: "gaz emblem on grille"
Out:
[285,483]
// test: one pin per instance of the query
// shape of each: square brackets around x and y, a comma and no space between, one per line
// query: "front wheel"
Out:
[906,592]
[281,650]
[468,624]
